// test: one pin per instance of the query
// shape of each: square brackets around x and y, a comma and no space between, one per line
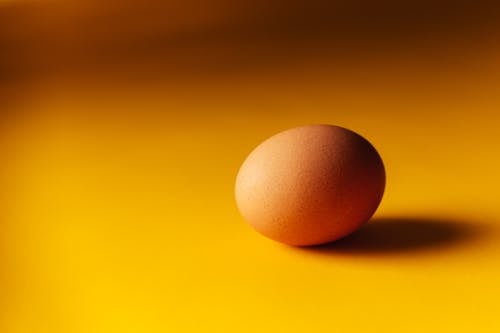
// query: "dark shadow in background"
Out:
[401,235]
[57,35]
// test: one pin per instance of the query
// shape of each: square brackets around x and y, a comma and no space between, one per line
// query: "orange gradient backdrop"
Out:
[123,126]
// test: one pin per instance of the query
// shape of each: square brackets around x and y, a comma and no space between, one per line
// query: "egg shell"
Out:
[310,185]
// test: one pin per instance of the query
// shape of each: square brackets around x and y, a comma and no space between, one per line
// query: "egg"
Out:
[310,185]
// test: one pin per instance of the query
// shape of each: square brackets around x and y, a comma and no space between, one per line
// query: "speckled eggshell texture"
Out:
[310,185]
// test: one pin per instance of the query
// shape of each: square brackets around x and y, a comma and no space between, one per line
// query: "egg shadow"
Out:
[397,235]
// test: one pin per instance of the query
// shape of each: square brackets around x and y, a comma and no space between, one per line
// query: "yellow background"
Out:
[118,164]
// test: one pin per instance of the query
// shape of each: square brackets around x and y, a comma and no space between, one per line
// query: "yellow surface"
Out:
[117,175]
[118,215]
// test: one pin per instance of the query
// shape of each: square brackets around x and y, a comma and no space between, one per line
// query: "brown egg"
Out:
[310,185]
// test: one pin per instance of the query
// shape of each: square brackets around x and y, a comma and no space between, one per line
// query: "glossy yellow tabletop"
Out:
[117,207]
